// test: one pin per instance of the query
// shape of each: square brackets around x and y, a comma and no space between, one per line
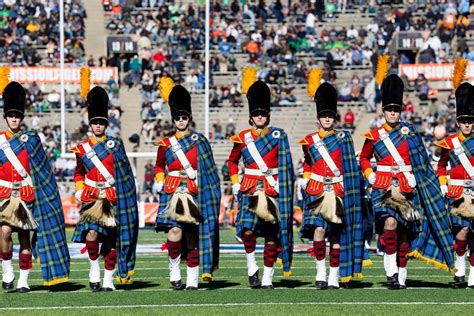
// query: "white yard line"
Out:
[293,277]
[228,305]
[303,288]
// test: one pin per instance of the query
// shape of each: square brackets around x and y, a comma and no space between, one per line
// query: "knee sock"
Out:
[319,249]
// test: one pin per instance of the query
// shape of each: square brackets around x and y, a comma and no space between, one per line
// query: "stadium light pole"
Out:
[61,75]
[206,70]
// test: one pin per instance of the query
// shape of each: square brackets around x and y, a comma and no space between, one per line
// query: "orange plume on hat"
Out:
[85,82]
[314,81]
[248,78]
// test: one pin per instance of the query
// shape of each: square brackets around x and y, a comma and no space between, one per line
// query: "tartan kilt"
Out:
[458,222]
[312,221]
[381,212]
[81,231]
[248,220]
[163,222]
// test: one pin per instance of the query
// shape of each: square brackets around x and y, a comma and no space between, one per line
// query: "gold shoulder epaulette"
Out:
[75,149]
[304,141]
[368,135]
[161,143]
[443,143]
[236,139]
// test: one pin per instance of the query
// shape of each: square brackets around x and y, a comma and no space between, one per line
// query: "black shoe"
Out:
[392,279]
[8,285]
[254,281]
[95,286]
[23,290]
[459,279]
[471,287]
[322,285]
[177,285]
[107,289]
[397,286]
[267,287]
[333,287]
[191,288]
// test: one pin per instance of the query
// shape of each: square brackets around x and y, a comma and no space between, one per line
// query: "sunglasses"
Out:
[392,109]
[181,118]
[99,122]
[260,113]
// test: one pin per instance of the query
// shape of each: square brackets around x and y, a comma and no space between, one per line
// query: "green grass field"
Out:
[430,291]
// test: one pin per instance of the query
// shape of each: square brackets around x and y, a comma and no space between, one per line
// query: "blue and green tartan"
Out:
[459,222]
[49,240]
[433,242]
[125,210]
[248,220]
[351,237]
[208,199]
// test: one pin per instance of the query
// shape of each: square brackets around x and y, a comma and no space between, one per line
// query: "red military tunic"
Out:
[90,193]
[384,179]
[320,167]
[173,182]
[455,173]
[249,182]
[9,174]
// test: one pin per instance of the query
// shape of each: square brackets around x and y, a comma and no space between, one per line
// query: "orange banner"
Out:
[433,71]
[229,208]
[150,211]
[71,209]
[52,75]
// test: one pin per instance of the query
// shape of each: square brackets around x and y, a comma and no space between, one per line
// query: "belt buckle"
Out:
[16,185]
[183,174]
[458,150]
[327,180]
[90,154]
[248,139]
[110,180]
[468,183]
[268,173]
[5,145]
[175,147]
[395,169]
[100,185]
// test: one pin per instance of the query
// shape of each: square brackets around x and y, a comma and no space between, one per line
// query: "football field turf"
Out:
[429,291]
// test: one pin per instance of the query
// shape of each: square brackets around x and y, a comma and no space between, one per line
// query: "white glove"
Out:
[157,187]
[236,189]
[444,189]
[78,195]
[412,181]
[304,184]
[372,178]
